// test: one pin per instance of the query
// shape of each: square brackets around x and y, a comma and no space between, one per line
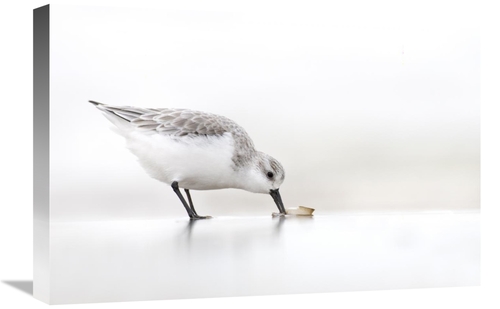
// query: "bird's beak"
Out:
[277,199]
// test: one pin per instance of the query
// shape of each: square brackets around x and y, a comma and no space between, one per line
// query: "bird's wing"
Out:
[182,122]
[169,121]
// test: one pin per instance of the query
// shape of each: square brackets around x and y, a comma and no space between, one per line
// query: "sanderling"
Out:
[195,150]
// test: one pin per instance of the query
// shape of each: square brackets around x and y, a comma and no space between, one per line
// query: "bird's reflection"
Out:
[184,236]
[280,221]
[237,236]
[187,231]
[279,224]
[189,227]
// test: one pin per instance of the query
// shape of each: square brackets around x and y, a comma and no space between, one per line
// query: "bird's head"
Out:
[265,175]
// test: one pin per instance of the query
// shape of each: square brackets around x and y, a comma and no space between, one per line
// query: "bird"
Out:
[195,150]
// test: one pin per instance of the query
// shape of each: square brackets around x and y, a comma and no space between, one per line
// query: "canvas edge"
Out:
[41,158]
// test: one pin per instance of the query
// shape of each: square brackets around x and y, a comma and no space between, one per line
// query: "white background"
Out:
[16,166]
[363,117]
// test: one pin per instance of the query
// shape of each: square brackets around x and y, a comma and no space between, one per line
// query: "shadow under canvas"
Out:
[25,286]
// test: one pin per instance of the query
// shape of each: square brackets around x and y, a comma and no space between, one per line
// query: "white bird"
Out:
[195,150]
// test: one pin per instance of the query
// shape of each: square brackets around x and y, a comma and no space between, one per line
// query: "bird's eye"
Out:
[270,174]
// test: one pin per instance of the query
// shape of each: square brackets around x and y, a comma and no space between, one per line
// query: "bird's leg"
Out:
[192,206]
[192,214]
[175,186]
[190,200]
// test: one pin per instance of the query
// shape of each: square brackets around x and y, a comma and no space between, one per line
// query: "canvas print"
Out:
[194,154]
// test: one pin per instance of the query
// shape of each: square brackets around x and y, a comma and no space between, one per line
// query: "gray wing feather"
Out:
[170,121]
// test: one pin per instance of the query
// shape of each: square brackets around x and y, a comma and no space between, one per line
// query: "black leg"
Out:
[190,200]
[192,214]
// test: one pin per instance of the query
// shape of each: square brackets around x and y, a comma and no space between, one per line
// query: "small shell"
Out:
[300,211]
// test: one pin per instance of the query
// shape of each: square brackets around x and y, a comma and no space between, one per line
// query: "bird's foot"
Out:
[197,217]
[278,214]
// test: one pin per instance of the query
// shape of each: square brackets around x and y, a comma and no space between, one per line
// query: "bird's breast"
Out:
[195,162]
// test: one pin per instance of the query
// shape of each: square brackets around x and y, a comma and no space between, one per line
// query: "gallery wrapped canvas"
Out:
[188,154]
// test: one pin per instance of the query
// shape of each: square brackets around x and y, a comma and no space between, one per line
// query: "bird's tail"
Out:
[117,116]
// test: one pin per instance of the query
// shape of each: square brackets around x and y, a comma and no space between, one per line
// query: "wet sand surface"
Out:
[104,261]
